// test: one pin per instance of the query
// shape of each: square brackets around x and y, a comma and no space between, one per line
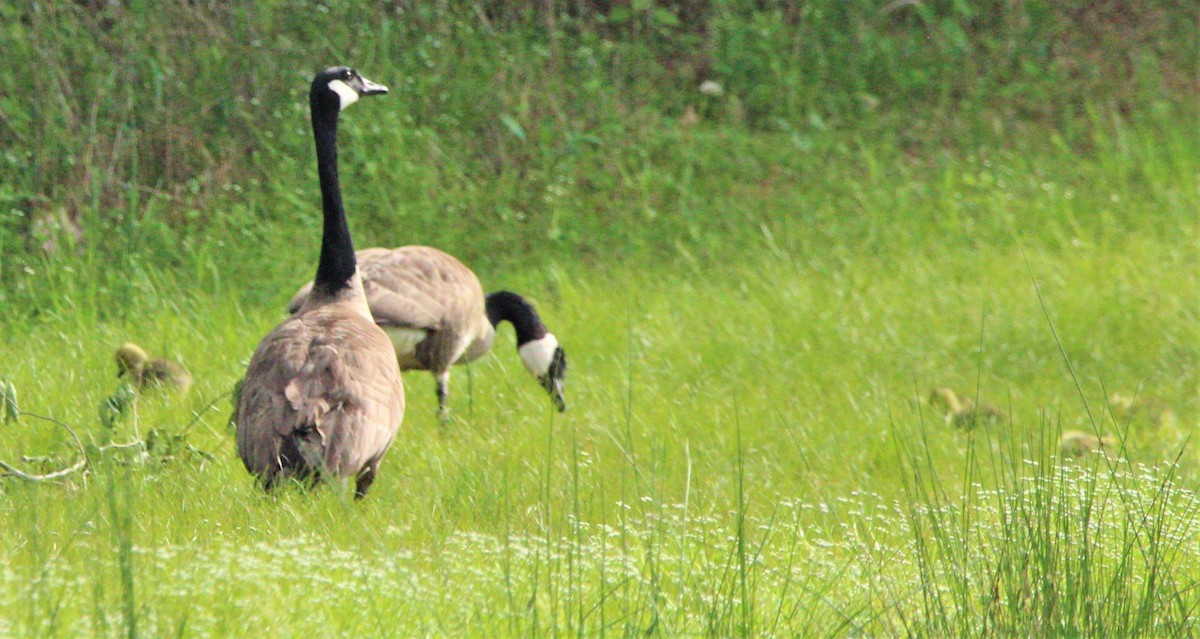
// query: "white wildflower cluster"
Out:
[792,565]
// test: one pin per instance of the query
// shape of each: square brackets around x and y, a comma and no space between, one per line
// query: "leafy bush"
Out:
[170,140]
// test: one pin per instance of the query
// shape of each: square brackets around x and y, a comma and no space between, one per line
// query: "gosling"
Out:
[144,372]
[1076,443]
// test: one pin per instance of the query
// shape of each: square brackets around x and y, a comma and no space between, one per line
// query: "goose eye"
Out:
[347,74]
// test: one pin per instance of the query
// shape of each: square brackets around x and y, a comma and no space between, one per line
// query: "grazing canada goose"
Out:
[146,373]
[322,395]
[433,309]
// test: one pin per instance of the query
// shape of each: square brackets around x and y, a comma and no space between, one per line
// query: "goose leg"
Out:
[443,392]
[366,477]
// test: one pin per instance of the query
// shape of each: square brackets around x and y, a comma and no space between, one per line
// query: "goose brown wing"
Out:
[408,287]
[263,415]
[397,303]
[420,287]
[403,306]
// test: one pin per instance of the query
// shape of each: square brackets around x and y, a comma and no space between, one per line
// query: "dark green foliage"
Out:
[151,144]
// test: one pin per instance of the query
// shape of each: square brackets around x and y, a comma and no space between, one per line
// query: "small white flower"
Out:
[711,89]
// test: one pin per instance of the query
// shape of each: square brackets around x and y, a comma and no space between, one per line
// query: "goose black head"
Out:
[554,379]
[547,361]
[341,87]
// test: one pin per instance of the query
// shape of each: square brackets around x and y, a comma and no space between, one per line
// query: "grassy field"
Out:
[755,308]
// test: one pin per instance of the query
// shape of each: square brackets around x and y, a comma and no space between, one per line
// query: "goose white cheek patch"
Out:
[538,354]
[346,95]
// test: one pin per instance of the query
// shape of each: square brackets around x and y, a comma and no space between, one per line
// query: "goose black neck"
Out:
[505,306]
[337,263]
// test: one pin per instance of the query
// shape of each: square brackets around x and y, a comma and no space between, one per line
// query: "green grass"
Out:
[165,133]
[744,453]
[755,308]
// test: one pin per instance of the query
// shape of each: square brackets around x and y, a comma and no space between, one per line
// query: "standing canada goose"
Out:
[146,373]
[433,309]
[322,395]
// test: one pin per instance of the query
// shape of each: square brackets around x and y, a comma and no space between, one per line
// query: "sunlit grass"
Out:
[754,320]
[743,454]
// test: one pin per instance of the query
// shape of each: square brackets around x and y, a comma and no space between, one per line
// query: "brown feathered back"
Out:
[322,396]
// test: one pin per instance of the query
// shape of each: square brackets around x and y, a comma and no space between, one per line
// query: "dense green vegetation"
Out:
[757,291]
[158,135]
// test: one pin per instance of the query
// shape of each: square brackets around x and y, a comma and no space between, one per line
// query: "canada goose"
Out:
[322,395]
[433,309]
[145,373]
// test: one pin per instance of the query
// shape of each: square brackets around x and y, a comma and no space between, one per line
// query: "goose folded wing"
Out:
[342,392]
[263,415]
[404,306]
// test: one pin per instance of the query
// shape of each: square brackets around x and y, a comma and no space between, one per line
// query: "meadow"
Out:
[756,291]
